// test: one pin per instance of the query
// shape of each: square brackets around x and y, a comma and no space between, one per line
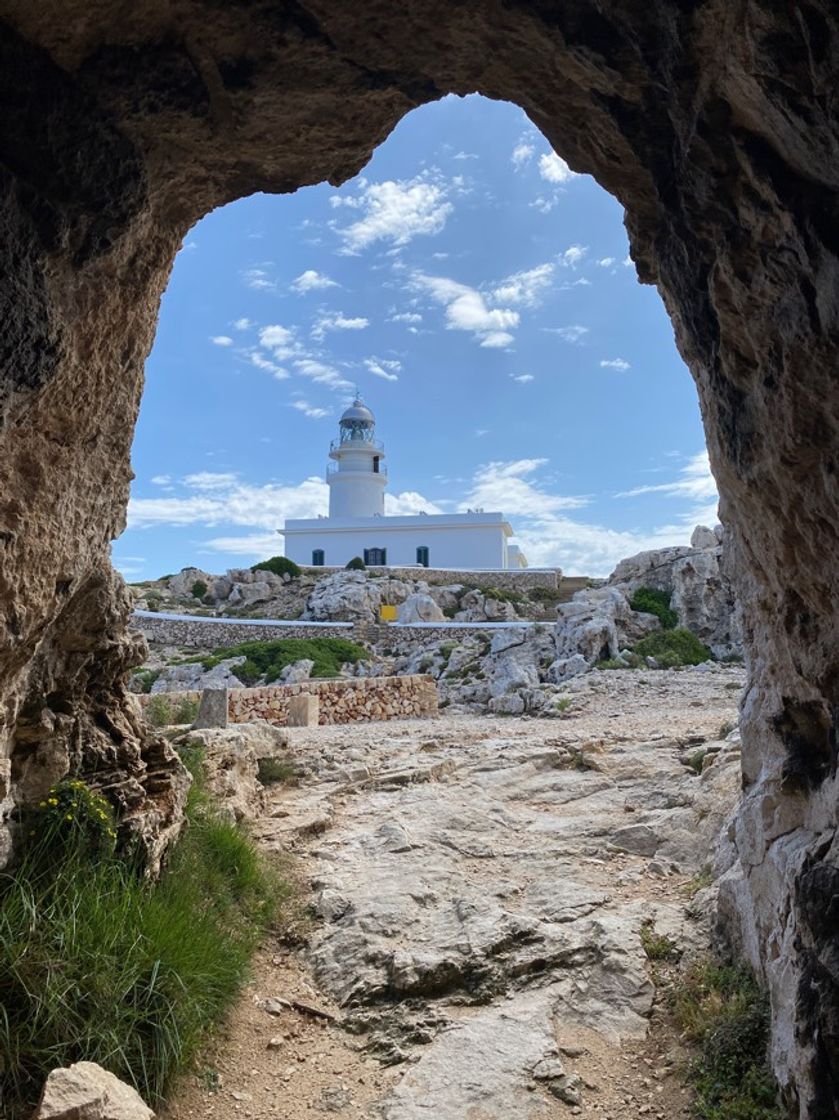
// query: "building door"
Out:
[318,558]
[375,557]
[422,555]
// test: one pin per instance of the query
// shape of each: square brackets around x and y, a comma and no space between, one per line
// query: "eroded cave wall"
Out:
[713,123]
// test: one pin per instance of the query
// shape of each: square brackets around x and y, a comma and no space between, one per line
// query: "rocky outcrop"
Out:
[353,597]
[193,676]
[420,607]
[86,1091]
[709,124]
[701,593]
[230,760]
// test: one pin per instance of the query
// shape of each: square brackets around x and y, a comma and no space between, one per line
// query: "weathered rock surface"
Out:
[86,1091]
[420,607]
[481,885]
[193,676]
[710,126]
[230,758]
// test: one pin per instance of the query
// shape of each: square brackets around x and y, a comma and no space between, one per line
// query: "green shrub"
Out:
[697,759]
[279,565]
[450,612]
[98,964]
[651,601]
[266,660]
[547,596]
[613,663]
[677,647]
[502,595]
[722,1010]
[199,589]
[657,946]
[276,771]
[167,708]
[356,565]
[145,678]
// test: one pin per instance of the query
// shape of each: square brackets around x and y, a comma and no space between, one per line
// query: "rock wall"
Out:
[209,633]
[511,579]
[711,123]
[359,700]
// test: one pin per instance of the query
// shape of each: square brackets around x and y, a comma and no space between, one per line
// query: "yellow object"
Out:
[387,612]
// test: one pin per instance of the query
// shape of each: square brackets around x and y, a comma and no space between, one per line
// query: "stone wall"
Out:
[210,633]
[358,700]
[507,579]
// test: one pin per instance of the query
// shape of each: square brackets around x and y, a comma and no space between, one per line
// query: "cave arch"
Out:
[711,123]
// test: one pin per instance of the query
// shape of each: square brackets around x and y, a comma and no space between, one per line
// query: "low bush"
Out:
[613,663]
[145,678]
[673,648]
[657,946]
[199,589]
[279,565]
[167,708]
[722,1010]
[98,964]
[356,565]
[547,596]
[651,601]
[277,771]
[502,595]
[266,660]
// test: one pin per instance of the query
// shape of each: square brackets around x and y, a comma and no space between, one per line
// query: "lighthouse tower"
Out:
[357,479]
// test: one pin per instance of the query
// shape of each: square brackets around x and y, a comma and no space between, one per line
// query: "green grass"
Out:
[266,660]
[657,946]
[547,596]
[98,964]
[673,648]
[651,601]
[146,678]
[277,771]
[721,1009]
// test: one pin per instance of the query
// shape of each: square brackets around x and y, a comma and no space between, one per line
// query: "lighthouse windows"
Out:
[422,556]
[376,464]
[375,557]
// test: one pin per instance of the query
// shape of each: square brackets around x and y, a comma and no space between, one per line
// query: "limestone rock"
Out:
[299,671]
[194,677]
[593,625]
[86,1091]
[420,607]
[230,758]
[181,585]
[344,597]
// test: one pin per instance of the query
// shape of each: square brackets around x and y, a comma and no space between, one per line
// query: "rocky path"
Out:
[480,890]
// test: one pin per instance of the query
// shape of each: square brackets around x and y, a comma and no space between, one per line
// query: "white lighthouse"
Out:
[357,525]
[357,480]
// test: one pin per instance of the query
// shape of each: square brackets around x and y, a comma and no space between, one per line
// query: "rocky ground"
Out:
[481,889]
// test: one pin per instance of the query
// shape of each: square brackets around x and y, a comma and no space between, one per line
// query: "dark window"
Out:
[375,464]
[375,557]
[317,558]
[422,555]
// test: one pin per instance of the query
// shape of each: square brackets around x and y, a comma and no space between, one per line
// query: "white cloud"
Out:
[525,288]
[262,508]
[467,310]
[569,334]
[337,321]
[388,370]
[310,410]
[506,486]
[408,503]
[261,362]
[221,340]
[255,546]
[259,280]
[572,256]
[464,155]
[209,480]
[396,211]
[522,153]
[695,481]
[607,262]
[544,205]
[554,169]
[322,373]
[275,337]
[615,363]
[243,324]
[523,378]
[161,479]
[406,317]
[310,281]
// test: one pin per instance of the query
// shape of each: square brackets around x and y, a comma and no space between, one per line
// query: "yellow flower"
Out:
[43,805]
[53,801]
[69,817]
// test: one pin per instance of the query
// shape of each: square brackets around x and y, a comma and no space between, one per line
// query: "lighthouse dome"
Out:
[358,413]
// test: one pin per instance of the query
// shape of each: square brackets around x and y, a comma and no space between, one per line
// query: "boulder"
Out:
[194,677]
[230,759]
[475,606]
[86,1091]
[420,607]
[344,597]
[593,624]
[299,671]
[181,585]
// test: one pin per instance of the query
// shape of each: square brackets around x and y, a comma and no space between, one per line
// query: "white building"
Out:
[357,525]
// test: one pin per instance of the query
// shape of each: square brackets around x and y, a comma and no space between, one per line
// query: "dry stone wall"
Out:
[359,700]
[210,633]
[506,579]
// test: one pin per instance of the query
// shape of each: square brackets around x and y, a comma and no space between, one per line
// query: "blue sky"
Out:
[481,297]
